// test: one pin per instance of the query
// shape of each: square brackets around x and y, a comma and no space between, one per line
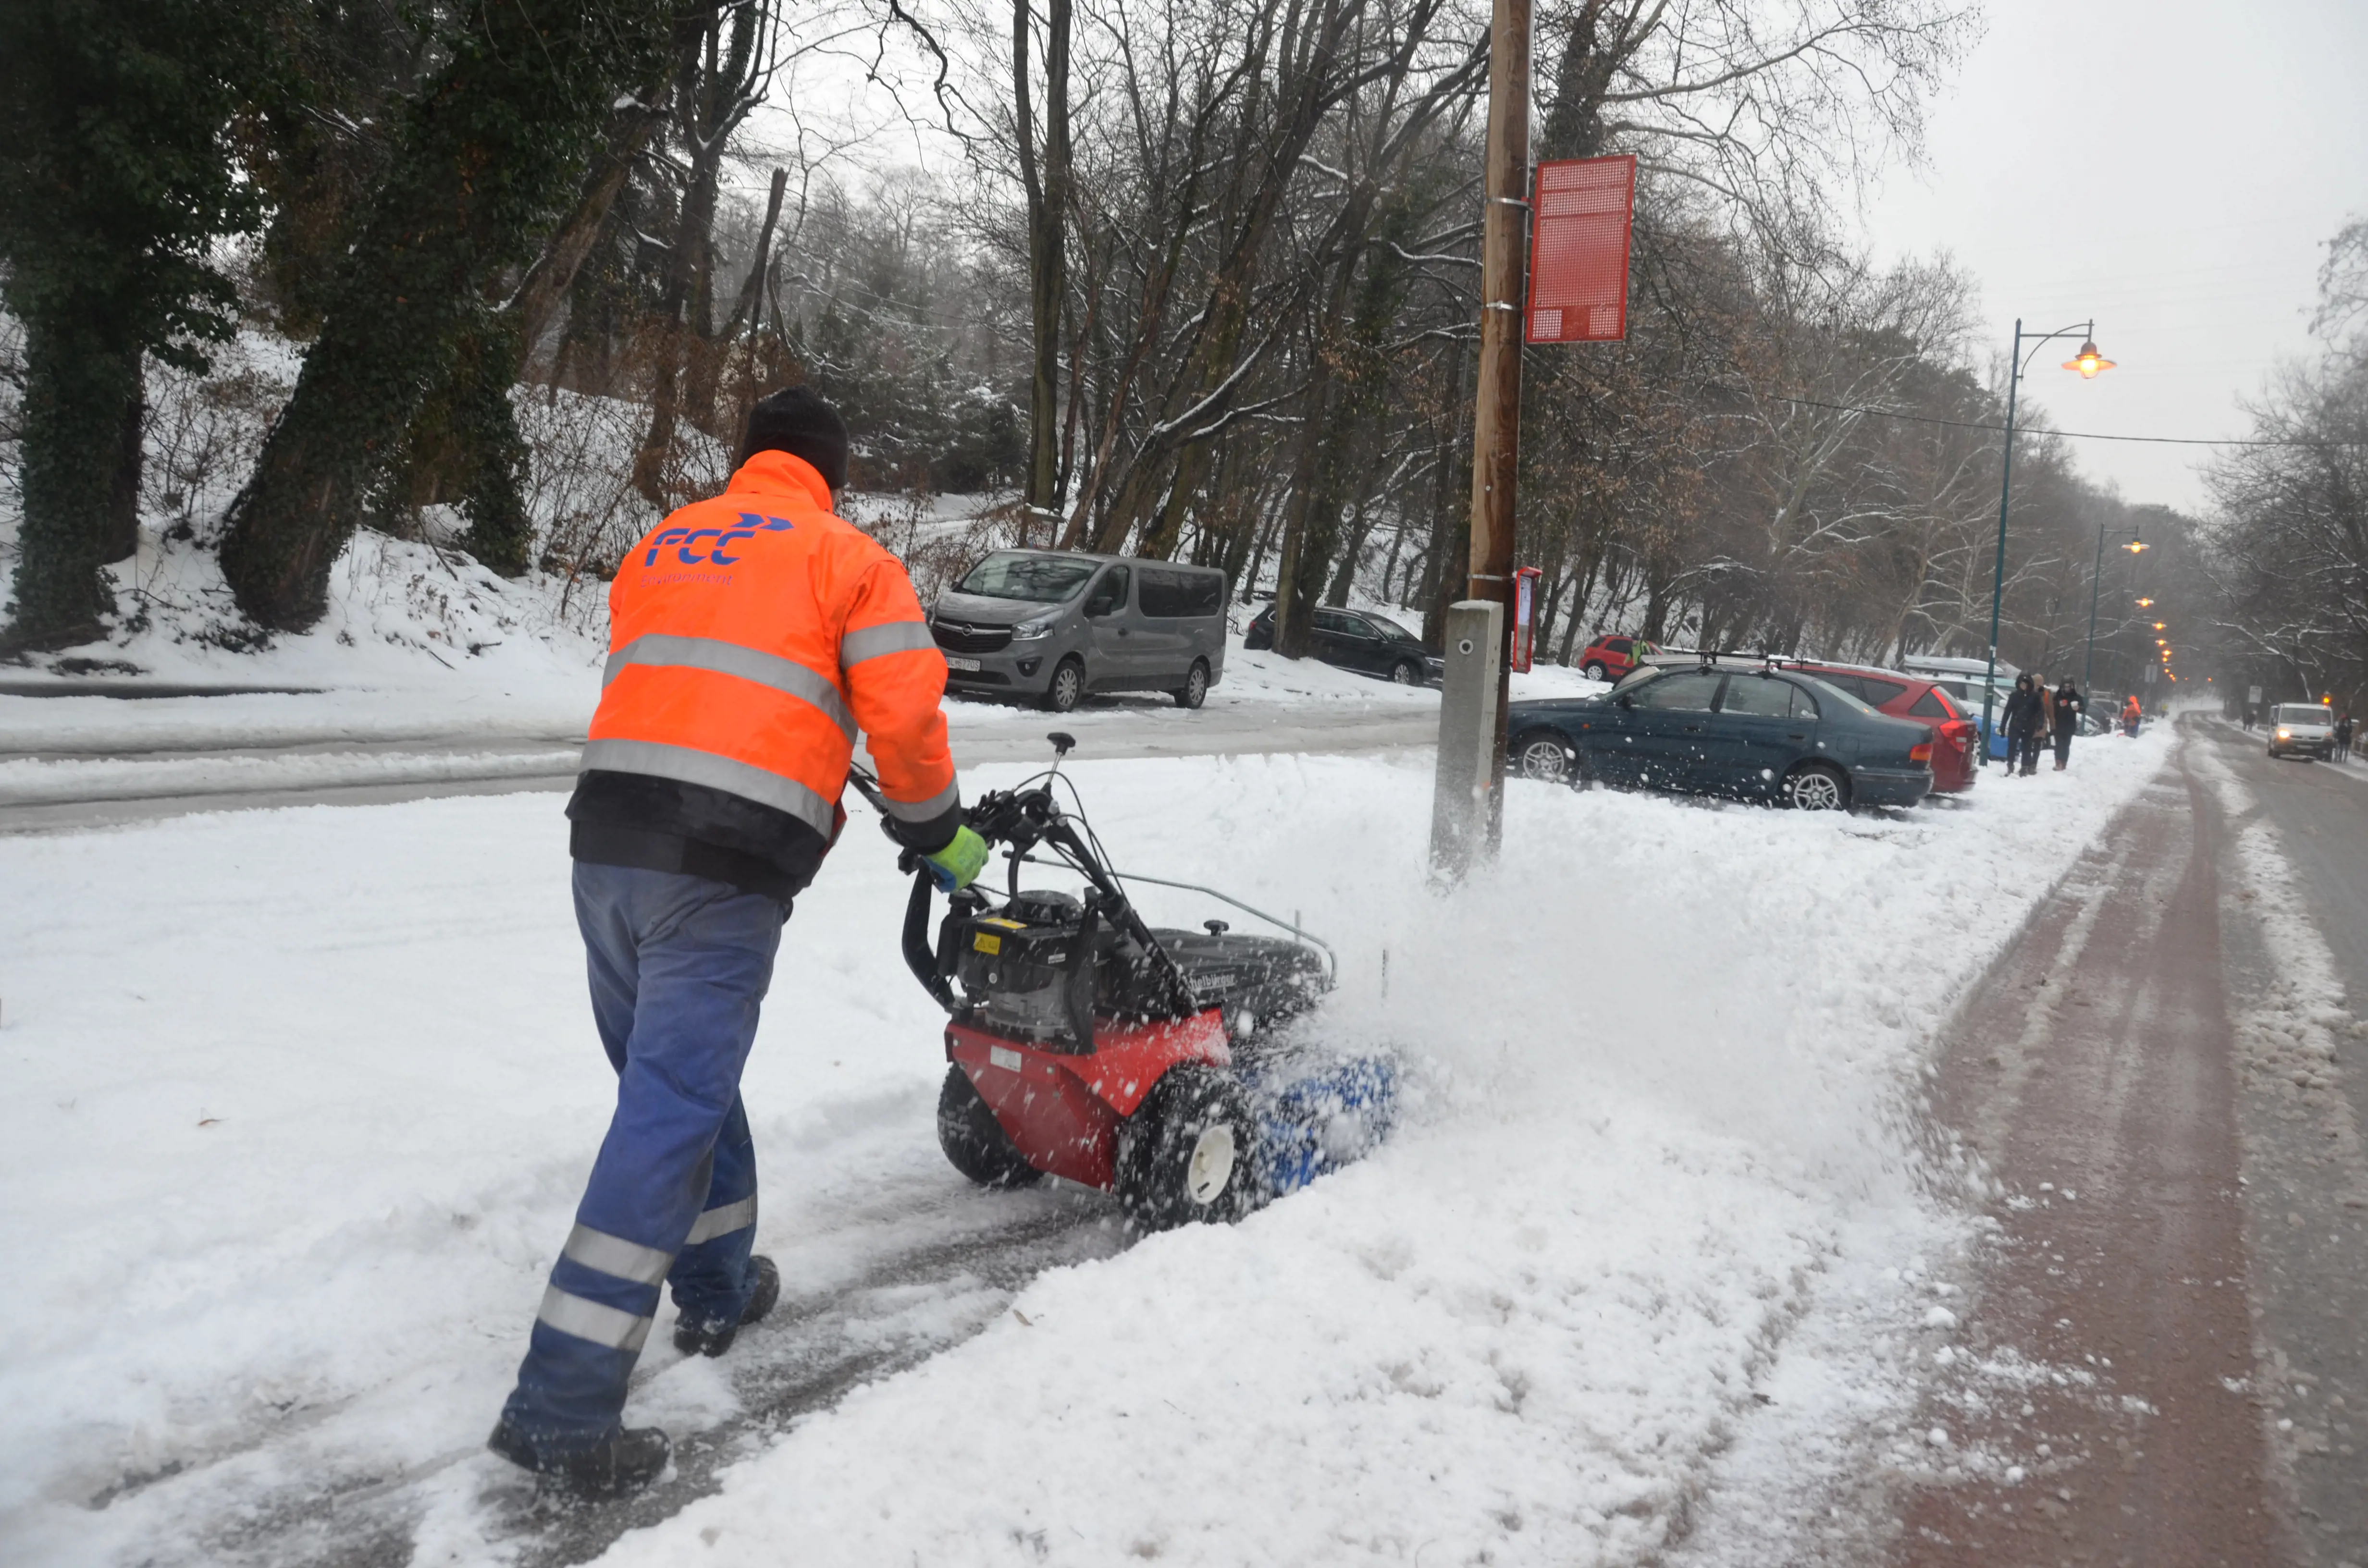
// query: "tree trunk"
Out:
[484,154]
[554,273]
[81,396]
[1048,204]
[124,491]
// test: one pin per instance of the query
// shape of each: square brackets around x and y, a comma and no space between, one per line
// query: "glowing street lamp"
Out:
[2145,604]
[2016,361]
[2089,362]
[2096,584]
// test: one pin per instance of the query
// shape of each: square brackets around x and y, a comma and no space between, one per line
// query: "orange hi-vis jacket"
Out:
[752,635]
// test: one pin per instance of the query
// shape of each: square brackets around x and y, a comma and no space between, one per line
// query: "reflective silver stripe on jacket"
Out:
[612,1326]
[692,767]
[617,1256]
[888,637]
[922,811]
[722,1220]
[730,658]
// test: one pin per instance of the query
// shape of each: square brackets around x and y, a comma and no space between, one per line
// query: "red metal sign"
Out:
[1579,250]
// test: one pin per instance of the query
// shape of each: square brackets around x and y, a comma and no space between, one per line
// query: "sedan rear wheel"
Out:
[1544,758]
[1816,787]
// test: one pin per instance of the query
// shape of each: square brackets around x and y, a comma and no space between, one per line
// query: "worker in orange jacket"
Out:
[751,636]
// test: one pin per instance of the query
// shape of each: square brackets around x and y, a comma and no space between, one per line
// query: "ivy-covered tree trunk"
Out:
[114,184]
[485,159]
[464,446]
[78,386]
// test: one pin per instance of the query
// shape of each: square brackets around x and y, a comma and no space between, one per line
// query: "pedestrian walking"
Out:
[2132,713]
[752,636]
[2022,719]
[2343,738]
[2069,705]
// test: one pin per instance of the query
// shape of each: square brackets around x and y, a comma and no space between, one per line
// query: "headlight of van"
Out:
[2286,734]
[1028,630]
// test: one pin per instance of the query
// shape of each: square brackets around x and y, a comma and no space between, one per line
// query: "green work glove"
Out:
[958,863]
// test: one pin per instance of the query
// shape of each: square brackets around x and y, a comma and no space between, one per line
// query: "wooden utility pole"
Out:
[1496,414]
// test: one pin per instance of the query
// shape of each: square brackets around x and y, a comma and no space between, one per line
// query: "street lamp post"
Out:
[2089,362]
[2095,581]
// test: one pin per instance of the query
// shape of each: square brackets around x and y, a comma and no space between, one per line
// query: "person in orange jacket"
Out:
[751,637]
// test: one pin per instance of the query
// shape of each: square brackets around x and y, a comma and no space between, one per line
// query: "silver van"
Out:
[1050,626]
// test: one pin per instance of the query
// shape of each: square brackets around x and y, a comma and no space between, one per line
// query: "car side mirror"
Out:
[1625,700]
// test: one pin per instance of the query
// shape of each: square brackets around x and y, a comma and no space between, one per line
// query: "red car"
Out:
[1609,658]
[1911,697]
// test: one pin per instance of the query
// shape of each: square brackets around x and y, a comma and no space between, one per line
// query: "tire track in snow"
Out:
[914,1304]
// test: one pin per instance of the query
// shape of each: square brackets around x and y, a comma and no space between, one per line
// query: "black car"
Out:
[1754,733]
[1354,640]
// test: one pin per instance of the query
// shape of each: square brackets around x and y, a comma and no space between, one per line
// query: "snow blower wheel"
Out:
[1189,1153]
[974,1142]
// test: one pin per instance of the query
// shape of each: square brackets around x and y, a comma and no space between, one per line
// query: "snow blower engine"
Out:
[1153,1063]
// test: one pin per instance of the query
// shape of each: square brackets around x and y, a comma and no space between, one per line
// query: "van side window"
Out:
[1109,593]
[1175,594]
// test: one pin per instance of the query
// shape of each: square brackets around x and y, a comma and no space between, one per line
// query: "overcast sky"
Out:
[2172,168]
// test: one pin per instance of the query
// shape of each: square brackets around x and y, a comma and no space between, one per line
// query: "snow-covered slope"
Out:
[301,1102]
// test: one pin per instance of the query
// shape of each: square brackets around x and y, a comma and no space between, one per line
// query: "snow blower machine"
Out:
[1168,1067]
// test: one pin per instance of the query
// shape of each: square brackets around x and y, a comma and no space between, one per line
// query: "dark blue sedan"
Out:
[1753,733]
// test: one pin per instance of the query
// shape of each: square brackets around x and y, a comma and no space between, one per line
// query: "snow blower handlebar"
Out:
[1021,819]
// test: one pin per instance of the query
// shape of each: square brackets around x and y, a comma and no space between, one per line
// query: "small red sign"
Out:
[1584,209]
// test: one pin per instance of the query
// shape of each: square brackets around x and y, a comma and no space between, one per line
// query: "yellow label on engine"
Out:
[987,944]
[1006,924]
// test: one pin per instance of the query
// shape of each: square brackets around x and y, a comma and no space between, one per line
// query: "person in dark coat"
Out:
[2343,739]
[2068,704]
[2024,714]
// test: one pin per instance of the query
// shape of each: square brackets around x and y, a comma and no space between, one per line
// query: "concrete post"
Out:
[1462,805]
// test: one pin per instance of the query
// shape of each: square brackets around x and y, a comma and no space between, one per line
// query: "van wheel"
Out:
[1594,671]
[1195,689]
[1068,687]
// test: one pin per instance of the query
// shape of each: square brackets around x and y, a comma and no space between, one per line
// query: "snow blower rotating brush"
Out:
[1160,1065]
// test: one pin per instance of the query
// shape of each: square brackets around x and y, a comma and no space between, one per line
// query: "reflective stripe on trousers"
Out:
[679,967]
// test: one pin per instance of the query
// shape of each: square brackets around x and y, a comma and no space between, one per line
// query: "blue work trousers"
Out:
[679,966]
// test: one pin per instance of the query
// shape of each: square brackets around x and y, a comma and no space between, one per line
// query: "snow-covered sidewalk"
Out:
[301,1102]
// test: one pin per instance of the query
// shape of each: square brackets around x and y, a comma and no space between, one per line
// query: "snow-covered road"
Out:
[300,1101]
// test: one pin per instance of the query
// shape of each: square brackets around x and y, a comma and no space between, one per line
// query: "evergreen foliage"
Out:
[483,159]
[116,177]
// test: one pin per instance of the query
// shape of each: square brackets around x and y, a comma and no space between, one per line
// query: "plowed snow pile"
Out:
[301,1102]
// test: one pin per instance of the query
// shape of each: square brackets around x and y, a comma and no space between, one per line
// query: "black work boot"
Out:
[713,1336]
[620,1461]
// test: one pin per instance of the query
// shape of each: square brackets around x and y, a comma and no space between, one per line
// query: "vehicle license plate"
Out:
[954,664]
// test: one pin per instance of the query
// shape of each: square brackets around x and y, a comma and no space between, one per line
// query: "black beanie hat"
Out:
[797,422]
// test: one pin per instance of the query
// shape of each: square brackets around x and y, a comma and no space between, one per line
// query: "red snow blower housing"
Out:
[1084,1044]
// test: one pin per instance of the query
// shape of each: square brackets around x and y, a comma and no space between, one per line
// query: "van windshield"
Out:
[2303,713]
[1026,574]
